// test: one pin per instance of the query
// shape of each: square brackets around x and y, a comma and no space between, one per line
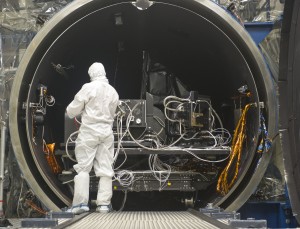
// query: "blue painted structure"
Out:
[259,30]
[278,214]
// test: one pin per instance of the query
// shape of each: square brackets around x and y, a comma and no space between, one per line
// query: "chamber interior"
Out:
[190,49]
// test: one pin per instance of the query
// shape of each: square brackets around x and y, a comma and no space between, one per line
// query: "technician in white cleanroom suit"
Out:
[96,102]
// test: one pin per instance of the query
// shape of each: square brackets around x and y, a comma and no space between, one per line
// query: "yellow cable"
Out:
[223,186]
[51,159]
[35,207]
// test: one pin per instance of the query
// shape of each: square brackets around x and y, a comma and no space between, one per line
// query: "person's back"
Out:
[96,102]
[101,106]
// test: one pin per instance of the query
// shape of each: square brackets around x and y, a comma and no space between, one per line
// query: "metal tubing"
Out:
[2,158]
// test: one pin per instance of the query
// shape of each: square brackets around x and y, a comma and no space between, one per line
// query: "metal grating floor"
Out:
[142,220]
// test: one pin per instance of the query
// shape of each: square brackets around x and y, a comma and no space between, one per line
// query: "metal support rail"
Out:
[72,221]
[2,158]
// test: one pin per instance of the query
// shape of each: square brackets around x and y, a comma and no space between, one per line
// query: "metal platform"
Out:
[176,151]
[190,219]
[16,223]
[146,220]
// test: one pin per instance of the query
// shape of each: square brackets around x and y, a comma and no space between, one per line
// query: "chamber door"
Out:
[289,99]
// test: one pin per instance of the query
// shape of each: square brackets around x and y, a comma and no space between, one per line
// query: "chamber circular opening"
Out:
[168,49]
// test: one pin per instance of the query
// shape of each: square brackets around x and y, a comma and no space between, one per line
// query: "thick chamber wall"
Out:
[197,42]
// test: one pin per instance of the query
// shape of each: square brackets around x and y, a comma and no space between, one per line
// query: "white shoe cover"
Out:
[79,209]
[104,208]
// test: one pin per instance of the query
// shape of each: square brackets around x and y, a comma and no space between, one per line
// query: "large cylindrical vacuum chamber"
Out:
[198,41]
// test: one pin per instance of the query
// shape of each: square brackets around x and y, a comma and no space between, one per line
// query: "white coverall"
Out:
[96,102]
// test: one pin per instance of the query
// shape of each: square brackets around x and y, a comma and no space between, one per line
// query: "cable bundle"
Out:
[125,177]
[223,185]
[50,156]
[160,170]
